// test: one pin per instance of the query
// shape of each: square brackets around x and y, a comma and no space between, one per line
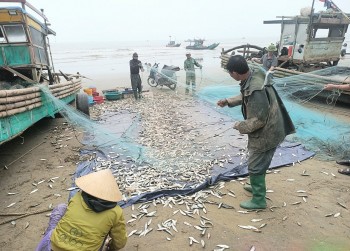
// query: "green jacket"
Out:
[83,229]
[189,66]
[267,121]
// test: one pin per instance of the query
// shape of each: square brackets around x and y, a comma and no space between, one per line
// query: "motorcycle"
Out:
[166,77]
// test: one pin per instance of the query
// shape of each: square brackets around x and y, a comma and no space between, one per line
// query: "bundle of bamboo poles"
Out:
[21,100]
[65,89]
[224,59]
[281,73]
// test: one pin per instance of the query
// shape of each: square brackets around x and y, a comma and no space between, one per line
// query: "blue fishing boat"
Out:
[28,81]
[197,44]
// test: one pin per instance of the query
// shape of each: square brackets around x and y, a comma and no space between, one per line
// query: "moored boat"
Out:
[197,44]
[27,76]
[172,43]
[308,42]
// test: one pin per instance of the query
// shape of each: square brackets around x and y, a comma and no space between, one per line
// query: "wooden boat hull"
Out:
[173,45]
[22,108]
[210,47]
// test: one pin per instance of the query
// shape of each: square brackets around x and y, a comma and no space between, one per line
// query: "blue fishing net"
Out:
[97,134]
[116,133]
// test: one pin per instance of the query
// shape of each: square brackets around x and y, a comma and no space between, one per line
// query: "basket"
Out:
[113,95]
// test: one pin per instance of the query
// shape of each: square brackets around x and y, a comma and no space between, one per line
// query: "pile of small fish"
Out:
[172,139]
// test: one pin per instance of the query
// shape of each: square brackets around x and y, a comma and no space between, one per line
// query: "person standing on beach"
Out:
[266,121]
[190,72]
[136,83]
[269,60]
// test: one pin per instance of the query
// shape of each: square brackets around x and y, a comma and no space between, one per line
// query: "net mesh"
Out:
[309,105]
[312,108]
[97,135]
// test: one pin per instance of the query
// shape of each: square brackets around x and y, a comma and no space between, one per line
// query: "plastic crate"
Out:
[113,95]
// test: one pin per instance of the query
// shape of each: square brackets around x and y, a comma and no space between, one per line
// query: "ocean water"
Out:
[107,64]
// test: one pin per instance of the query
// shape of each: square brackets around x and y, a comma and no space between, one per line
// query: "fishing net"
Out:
[190,151]
[311,108]
[97,135]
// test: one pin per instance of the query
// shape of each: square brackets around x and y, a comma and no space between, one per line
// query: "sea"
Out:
[106,64]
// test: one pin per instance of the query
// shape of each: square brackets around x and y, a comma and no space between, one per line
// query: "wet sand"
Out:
[50,150]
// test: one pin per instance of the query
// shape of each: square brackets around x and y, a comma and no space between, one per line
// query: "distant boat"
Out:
[172,43]
[198,45]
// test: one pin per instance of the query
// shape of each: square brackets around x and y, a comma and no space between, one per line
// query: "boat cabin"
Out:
[23,43]
[313,38]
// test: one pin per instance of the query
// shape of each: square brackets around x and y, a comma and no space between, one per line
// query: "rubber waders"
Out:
[248,187]
[258,201]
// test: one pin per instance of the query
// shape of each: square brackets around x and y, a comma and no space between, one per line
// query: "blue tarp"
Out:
[286,154]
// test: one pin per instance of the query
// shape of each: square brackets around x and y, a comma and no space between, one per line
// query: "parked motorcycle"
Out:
[166,77]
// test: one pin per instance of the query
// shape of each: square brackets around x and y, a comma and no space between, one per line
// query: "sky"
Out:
[150,20]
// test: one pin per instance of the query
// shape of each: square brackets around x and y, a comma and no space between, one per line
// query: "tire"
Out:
[82,103]
[342,52]
[172,86]
[152,82]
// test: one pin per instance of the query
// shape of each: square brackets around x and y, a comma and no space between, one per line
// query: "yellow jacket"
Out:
[83,229]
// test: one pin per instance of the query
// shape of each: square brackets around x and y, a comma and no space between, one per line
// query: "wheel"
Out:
[172,86]
[82,103]
[152,82]
[342,52]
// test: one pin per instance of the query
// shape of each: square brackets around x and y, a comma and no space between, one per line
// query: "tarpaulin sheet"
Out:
[286,154]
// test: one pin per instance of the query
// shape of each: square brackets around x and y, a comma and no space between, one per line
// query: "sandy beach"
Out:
[305,212]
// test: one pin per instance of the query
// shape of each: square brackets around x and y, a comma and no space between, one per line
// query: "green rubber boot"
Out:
[258,186]
[248,187]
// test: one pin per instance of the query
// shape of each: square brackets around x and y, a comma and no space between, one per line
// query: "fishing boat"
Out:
[197,44]
[27,75]
[308,42]
[172,43]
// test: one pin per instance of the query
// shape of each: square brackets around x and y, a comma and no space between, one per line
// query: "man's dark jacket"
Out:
[267,121]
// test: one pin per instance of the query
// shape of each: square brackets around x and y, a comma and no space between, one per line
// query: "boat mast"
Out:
[47,45]
[310,23]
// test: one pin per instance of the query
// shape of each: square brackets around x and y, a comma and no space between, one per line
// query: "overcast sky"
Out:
[140,20]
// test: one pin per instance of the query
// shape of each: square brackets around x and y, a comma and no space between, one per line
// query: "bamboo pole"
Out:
[58,90]
[51,87]
[19,104]
[70,90]
[67,94]
[16,92]
[25,215]
[19,110]
[19,75]
[15,99]
[329,79]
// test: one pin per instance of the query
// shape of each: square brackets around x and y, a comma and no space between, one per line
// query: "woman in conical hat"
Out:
[92,215]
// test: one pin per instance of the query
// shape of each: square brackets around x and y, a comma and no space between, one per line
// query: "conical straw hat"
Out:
[101,185]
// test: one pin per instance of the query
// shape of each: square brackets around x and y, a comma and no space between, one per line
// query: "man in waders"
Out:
[190,72]
[136,83]
[266,121]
